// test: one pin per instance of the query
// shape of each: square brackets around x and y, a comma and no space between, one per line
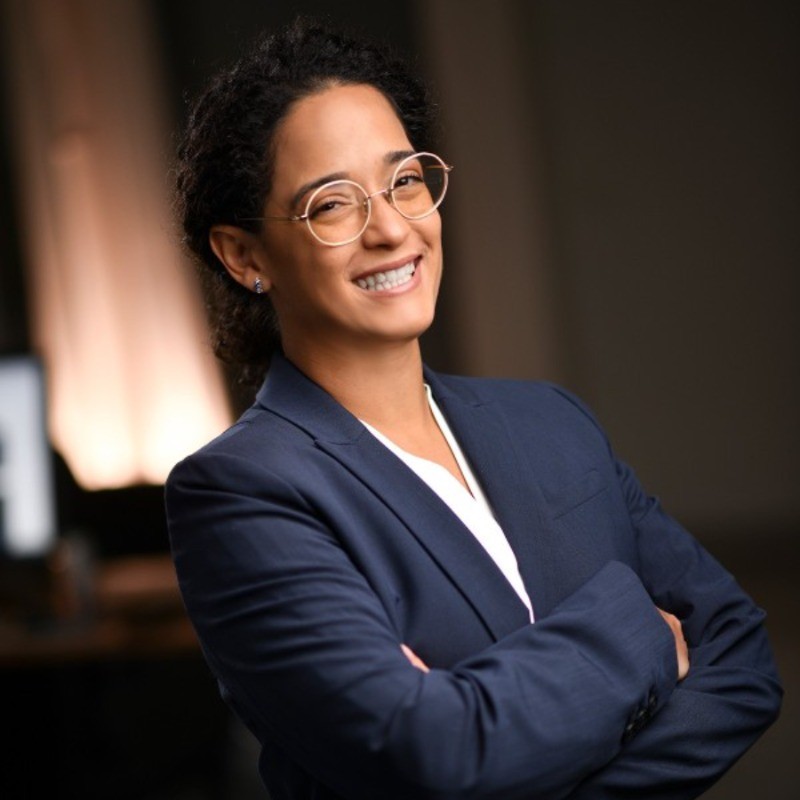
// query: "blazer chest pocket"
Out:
[575,494]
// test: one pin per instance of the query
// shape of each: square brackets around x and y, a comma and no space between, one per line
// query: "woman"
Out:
[411,585]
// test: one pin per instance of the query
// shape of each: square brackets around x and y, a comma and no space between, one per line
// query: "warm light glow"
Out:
[131,382]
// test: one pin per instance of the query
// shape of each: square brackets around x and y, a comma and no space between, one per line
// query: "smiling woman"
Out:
[409,584]
[330,144]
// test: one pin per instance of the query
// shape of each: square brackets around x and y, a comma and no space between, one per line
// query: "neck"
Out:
[383,385]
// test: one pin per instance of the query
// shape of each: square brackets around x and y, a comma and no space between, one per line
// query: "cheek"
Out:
[295,264]
[314,281]
[433,238]
[430,231]
[435,221]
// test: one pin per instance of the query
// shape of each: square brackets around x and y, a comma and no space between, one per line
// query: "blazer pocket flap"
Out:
[577,493]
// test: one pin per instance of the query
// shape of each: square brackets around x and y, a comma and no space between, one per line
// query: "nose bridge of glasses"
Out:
[387,191]
[391,200]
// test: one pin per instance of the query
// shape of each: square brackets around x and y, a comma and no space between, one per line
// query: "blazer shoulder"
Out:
[258,436]
[529,405]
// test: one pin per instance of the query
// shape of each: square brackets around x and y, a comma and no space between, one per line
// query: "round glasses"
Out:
[338,212]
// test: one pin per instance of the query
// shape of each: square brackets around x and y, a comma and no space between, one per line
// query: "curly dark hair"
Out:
[224,165]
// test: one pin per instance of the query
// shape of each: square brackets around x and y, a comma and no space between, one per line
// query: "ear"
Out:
[241,253]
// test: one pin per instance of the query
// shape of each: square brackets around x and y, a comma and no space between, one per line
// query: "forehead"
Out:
[341,129]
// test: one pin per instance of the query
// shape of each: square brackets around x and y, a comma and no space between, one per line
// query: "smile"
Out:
[390,279]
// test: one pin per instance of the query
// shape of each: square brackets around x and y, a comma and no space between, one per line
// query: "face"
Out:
[320,293]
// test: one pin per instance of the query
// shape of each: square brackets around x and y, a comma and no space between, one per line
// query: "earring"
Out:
[258,287]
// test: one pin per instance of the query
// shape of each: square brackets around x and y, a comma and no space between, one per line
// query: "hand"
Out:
[414,658]
[680,643]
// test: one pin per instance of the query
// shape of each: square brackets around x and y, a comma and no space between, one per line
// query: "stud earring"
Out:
[258,287]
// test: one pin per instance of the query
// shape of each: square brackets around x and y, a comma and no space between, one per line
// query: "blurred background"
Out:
[623,219]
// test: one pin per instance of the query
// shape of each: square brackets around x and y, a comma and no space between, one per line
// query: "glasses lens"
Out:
[419,184]
[337,212]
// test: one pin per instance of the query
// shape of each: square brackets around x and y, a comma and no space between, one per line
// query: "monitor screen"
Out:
[27,493]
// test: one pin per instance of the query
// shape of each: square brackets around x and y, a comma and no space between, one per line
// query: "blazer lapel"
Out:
[292,395]
[510,484]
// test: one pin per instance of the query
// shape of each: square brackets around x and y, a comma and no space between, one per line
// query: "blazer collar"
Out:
[290,394]
[508,477]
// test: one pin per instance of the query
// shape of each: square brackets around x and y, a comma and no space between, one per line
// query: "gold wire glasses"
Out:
[338,212]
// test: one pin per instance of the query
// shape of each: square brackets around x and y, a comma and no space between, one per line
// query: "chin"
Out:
[411,328]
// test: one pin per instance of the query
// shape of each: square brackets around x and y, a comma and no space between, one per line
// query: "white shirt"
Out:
[471,507]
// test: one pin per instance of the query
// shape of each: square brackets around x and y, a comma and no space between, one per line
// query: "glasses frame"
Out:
[388,191]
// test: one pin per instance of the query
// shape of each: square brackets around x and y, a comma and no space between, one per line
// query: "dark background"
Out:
[623,219]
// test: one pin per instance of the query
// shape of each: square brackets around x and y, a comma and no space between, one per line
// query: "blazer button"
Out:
[639,718]
[635,723]
[629,732]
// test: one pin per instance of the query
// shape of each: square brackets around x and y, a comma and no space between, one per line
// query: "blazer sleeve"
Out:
[732,692]
[307,656]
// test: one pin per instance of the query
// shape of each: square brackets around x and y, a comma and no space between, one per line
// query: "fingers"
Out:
[414,658]
[681,648]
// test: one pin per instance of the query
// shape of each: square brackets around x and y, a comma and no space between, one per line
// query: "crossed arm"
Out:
[309,659]
[731,692]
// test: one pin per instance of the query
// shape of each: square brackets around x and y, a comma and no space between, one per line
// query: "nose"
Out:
[387,227]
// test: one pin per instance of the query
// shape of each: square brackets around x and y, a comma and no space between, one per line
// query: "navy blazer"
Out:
[307,553]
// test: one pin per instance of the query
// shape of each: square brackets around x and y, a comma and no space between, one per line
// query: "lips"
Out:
[387,279]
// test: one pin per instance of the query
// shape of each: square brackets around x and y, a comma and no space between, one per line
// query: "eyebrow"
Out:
[397,155]
[393,157]
[315,184]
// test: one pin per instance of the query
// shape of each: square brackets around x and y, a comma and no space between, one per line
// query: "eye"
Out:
[321,208]
[408,179]
[332,202]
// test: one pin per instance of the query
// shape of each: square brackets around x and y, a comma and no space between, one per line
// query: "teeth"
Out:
[387,280]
